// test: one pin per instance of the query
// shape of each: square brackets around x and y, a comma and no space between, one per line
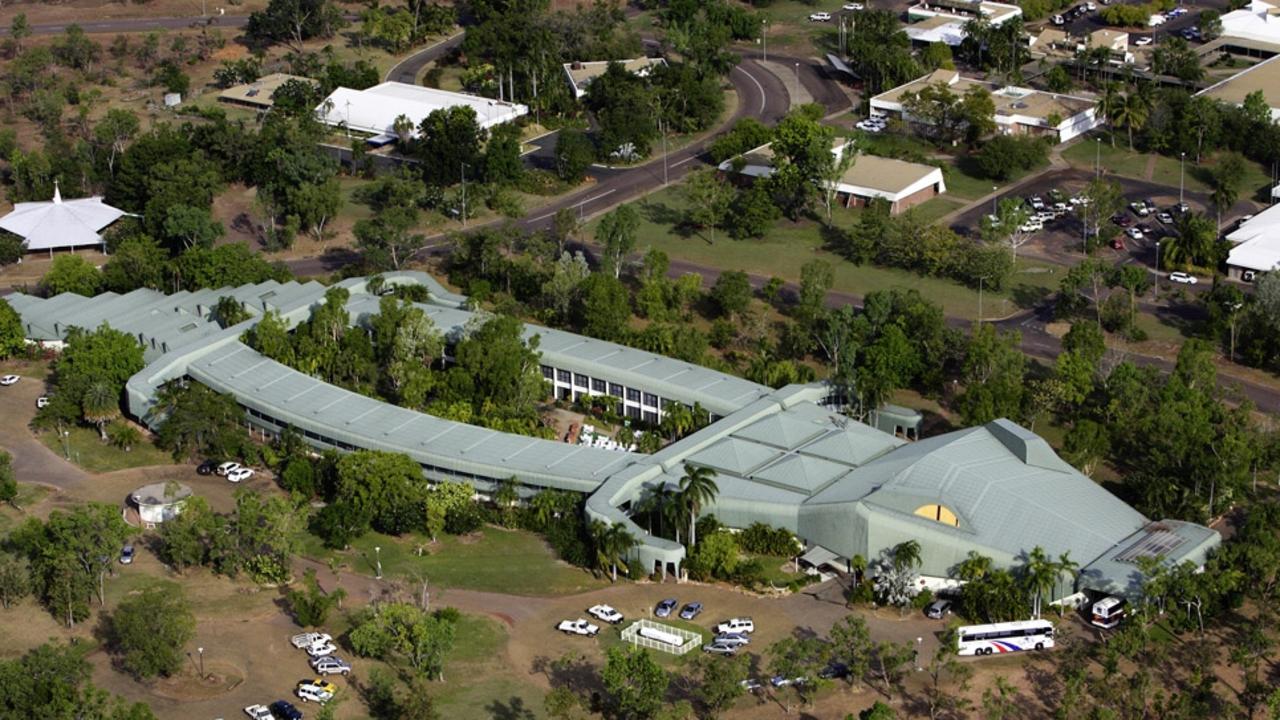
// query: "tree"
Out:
[1174,56]
[574,154]
[834,173]
[192,225]
[380,489]
[136,262]
[311,604]
[1225,180]
[449,140]
[888,663]
[15,578]
[605,307]
[12,336]
[635,684]
[1195,243]
[613,544]
[731,292]
[567,277]
[388,240]
[879,711]
[944,669]
[101,404]
[752,212]
[697,489]
[149,631]
[71,274]
[802,158]
[616,234]
[992,376]
[1007,225]
[710,196]
[228,265]
[294,21]
[624,105]
[720,682]
[796,658]
[200,422]
[407,632]
[52,682]
[851,644]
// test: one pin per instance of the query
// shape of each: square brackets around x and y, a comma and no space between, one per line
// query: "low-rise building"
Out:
[944,20]
[374,111]
[902,184]
[1117,41]
[1263,77]
[1255,246]
[1257,26]
[580,74]
[258,94]
[1018,110]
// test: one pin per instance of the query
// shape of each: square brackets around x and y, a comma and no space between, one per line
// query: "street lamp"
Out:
[1097,157]
[377,554]
[1182,173]
[200,652]
[1155,286]
[764,39]
[919,642]
[797,81]
[994,198]
[464,196]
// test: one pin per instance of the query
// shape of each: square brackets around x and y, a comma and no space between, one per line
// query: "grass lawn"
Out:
[1166,171]
[775,571]
[495,560]
[790,245]
[84,448]
[936,208]
[611,636]
[28,496]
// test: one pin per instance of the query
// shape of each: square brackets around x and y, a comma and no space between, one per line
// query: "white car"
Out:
[258,712]
[310,692]
[1134,232]
[308,639]
[330,665]
[605,613]
[1032,225]
[1059,20]
[1156,20]
[1143,41]
[868,126]
[820,17]
[226,468]
[1183,278]
[9,380]
[239,474]
[578,627]
[1164,217]
[42,401]
[736,625]
[322,648]
[852,6]
[1090,7]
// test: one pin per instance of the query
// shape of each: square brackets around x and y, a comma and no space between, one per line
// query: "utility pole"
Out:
[1182,174]
[1155,286]
[980,279]
[764,40]
[464,196]
[663,130]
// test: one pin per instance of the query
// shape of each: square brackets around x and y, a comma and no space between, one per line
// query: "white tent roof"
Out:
[60,223]
[1257,242]
[375,110]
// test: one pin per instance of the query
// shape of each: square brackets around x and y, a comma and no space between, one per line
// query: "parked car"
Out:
[1037,203]
[1139,208]
[720,648]
[321,649]
[207,467]
[8,380]
[1182,207]
[330,665]
[851,6]
[258,712]
[1143,41]
[308,639]
[317,690]
[736,625]
[285,710]
[1134,232]
[240,474]
[1090,7]
[732,639]
[126,554]
[42,402]
[938,609]
[691,611]
[1121,220]
[578,627]
[780,681]
[605,613]
[1183,278]
[1156,20]
[666,607]
[1164,217]
[1059,20]
[1117,242]
[750,684]
[226,467]
[820,17]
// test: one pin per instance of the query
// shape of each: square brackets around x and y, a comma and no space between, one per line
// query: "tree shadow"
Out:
[570,670]
[1029,296]
[663,214]
[512,709]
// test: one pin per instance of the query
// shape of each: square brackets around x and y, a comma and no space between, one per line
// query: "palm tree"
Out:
[544,506]
[677,420]
[906,555]
[975,566]
[1109,102]
[613,543]
[1132,113]
[667,502]
[100,405]
[1040,575]
[697,488]
[1066,566]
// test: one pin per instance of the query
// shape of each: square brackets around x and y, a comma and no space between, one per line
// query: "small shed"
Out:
[159,502]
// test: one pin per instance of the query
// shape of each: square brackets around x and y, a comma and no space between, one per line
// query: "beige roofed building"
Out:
[1018,110]
[257,94]
[903,184]
[580,74]
[1263,77]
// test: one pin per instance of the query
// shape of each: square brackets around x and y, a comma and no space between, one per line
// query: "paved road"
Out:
[136,24]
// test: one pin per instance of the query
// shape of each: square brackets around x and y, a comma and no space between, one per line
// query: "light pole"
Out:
[764,40]
[1182,173]
[1097,157]
[797,81]
[1155,286]
[200,652]
[981,278]
[464,202]
[919,642]
[377,555]
[994,212]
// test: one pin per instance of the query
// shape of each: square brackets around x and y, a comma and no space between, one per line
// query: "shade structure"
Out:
[60,223]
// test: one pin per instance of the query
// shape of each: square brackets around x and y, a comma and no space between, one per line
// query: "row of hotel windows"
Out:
[635,404]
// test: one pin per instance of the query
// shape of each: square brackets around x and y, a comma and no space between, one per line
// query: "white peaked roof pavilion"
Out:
[60,223]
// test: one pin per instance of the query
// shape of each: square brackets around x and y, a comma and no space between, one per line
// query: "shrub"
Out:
[123,435]
[1003,155]
[299,477]
[463,519]
[761,539]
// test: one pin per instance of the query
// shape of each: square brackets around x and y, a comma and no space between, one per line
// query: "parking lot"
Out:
[1060,240]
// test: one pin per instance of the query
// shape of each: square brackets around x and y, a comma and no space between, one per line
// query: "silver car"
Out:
[720,648]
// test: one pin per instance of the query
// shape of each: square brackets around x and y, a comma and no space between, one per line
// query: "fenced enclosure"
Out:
[656,636]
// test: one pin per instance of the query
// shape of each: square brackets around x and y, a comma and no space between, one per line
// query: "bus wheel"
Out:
[1039,646]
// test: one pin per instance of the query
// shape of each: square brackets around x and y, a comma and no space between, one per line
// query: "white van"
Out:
[1108,612]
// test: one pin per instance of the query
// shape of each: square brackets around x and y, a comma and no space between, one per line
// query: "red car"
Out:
[1118,242]
[1123,221]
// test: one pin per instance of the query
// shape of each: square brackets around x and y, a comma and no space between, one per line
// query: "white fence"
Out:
[688,639]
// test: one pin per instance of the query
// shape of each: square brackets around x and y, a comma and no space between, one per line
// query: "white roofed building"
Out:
[374,111]
[1258,23]
[1255,245]
[57,223]
[944,20]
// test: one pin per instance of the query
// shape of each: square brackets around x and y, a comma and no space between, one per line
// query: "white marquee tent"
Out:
[375,109]
[60,223]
